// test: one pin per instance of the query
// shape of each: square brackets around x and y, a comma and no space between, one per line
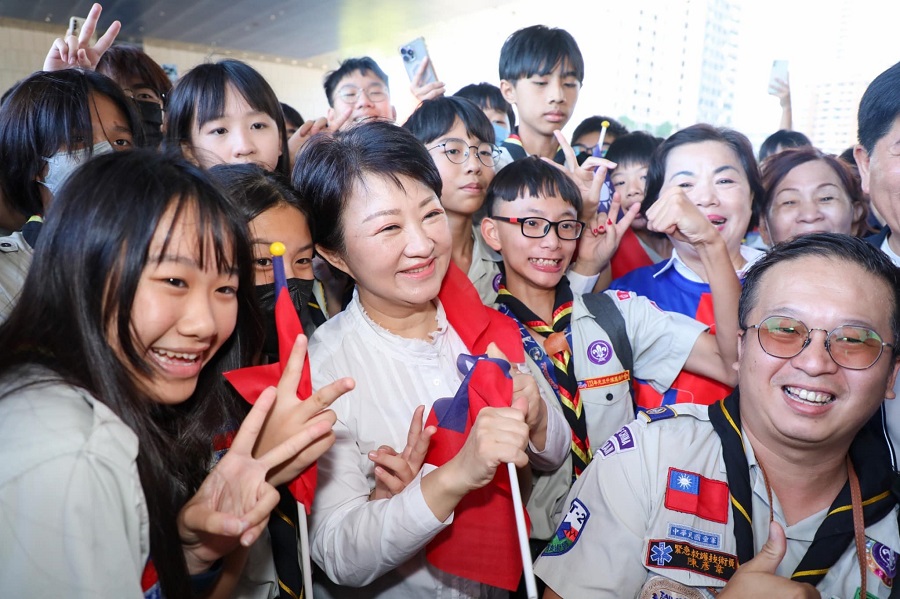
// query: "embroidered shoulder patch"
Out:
[680,532]
[659,587]
[620,442]
[882,560]
[570,529]
[679,555]
[623,295]
[691,493]
[660,413]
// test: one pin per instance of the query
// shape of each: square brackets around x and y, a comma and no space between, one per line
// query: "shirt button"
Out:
[437,382]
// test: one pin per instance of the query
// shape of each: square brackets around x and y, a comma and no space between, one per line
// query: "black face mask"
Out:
[300,291]
[151,119]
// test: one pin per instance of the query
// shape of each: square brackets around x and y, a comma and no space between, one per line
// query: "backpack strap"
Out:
[603,309]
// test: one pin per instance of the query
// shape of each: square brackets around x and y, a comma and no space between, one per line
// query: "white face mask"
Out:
[62,164]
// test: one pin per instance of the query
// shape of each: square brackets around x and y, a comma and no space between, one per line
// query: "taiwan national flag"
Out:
[691,493]
[250,382]
[481,543]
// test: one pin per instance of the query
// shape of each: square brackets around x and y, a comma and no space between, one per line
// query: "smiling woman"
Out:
[373,197]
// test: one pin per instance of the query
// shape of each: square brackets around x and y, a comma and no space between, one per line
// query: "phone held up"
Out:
[413,54]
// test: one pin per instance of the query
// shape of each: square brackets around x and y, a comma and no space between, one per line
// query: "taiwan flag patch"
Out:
[690,493]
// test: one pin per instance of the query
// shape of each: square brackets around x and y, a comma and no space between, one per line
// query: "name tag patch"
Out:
[680,532]
[679,555]
[605,381]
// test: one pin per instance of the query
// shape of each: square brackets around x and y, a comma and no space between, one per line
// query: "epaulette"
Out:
[660,413]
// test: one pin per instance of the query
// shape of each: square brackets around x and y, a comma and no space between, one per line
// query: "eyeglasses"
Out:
[350,93]
[457,152]
[535,227]
[144,94]
[850,346]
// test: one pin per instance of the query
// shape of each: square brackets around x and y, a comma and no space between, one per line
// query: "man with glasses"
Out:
[361,86]
[782,489]
[577,344]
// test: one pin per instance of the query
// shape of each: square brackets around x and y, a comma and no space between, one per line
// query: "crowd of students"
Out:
[466,253]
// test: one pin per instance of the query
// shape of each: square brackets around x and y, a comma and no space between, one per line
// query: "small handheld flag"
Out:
[253,380]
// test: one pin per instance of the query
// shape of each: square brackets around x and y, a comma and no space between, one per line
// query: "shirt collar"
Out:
[749,254]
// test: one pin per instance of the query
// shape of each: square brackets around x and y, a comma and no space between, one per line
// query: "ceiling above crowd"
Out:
[299,29]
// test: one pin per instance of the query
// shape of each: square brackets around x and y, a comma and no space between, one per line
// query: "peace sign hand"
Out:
[71,51]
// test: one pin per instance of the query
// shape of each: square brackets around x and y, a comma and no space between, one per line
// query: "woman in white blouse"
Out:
[373,195]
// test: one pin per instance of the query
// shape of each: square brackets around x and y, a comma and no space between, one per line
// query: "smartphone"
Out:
[779,71]
[75,25]
[413,54]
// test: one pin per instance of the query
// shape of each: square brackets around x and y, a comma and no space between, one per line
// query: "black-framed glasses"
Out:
[536,227]
[851,346]
[457,151]
[350,93]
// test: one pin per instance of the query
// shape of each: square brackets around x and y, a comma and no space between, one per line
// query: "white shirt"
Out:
[892,406]
[380,544]
[749,254]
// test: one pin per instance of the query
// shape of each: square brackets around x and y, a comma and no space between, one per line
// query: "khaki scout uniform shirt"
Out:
[619,538]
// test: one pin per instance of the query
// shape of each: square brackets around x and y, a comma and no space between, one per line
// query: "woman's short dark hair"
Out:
[834,246]
[81,290]
[123,62]
[330,167]
[46,113]
[735,140]
[253,189]
[632,148]
[488,96]
[777,166]
[783,138]
[433,118]
[531,177]
[199,97]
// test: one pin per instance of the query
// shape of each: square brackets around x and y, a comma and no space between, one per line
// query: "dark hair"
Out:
[777,166]
[46,113]
[253,189]
[784,138]
[633,148]
[595,123]
[879,107]
[199,97]
[834,246]
[735,140]
[488,96]
[433,118]
[531,177]
[329,169]
[122,62]
[80,292]
[291,115]
[537,50]
[364,65]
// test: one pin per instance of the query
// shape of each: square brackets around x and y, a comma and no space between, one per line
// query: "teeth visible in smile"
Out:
[813,397]
[416,270]
[717,221]
[176,355]
[544,261]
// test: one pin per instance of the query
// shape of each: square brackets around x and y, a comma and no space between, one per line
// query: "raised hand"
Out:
[675,215]
[426,91]
[589,176]
[312,127]
[233,504]
[394,471]
[601,237]
[74,51]
[757,577]
[289,415]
